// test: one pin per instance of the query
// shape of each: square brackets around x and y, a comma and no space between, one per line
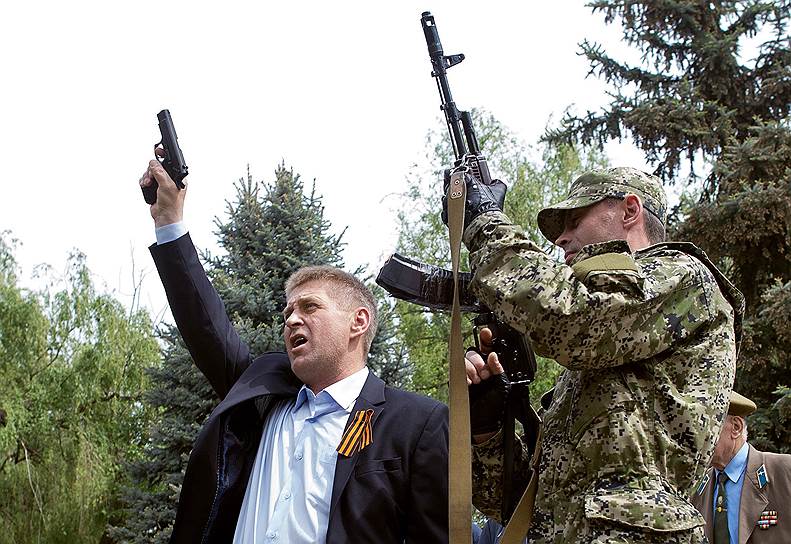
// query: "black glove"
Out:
[487,404]
[481,197]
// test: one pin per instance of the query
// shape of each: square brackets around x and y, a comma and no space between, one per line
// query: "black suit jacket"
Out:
[394,490]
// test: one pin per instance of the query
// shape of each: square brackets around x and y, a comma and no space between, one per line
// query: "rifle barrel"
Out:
[439,71]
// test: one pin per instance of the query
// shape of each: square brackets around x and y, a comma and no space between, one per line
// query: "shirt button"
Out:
[272,535]
[286,495]
[298,456]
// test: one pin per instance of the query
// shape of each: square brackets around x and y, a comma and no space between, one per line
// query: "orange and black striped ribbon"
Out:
[358,435]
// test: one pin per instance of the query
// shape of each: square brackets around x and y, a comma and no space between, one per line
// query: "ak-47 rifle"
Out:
[432,287]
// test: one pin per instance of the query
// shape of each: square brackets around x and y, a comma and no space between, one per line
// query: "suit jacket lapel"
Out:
[753,499]
[371,397]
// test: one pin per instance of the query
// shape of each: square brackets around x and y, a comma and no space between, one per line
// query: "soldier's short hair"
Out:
[654,229]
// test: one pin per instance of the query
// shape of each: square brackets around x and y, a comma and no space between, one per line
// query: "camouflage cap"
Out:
[596,185]
[740,405]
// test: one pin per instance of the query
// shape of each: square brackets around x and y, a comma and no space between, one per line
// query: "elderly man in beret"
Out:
[744,496]
[647,331]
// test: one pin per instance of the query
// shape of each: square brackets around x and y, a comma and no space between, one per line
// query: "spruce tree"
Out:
[271,230]
[714,89]
[266,238]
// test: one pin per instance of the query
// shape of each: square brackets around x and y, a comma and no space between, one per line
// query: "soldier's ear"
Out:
[737,426]
[632,211]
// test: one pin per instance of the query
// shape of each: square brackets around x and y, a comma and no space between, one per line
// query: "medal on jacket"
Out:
[763,479]
[358,435]
[703,484]
[767,519]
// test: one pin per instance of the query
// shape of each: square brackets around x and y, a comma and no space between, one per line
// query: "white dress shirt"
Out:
[290,486]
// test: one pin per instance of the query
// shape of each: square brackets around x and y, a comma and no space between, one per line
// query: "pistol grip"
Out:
[150,193]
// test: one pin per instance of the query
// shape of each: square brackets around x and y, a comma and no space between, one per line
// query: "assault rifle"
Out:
[432,287]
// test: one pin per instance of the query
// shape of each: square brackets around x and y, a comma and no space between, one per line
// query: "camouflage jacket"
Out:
[649,341]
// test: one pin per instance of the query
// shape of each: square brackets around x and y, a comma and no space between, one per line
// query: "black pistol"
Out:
[172,162]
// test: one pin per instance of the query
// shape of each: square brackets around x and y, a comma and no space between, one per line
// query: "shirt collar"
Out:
[346,391]
[343,392]
[738,464]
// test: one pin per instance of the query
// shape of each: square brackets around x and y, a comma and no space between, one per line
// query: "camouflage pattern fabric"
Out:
[650,350]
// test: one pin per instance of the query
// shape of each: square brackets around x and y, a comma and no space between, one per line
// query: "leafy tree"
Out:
[713,91]
[533,184]
[72,364]
[271,230]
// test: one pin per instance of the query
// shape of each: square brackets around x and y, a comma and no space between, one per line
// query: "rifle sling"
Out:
[508,500]
[459,440]
[520,521]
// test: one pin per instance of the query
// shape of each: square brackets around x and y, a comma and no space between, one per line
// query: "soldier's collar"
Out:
[591,250]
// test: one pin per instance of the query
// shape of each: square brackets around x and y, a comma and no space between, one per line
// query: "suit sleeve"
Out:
[427,517]
[200,315]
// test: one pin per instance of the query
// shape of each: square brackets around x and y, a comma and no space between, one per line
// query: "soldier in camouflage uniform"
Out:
[648,334]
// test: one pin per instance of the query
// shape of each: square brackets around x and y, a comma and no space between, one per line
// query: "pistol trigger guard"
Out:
[161,146]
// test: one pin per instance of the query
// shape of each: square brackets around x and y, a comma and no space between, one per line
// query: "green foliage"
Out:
[533,184]
[765,352]
[181,398]
[388,358]
[754,202]
[713,89]
[72,362]
[693,92]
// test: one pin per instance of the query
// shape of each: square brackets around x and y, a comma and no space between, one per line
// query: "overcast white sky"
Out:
[341,91]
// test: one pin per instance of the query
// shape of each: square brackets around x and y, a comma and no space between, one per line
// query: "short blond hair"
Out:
[351,289]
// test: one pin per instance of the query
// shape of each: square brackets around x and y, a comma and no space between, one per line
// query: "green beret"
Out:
[596,185]
[740,405]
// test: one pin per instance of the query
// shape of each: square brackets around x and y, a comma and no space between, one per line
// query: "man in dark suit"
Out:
[744,497]
[304,447]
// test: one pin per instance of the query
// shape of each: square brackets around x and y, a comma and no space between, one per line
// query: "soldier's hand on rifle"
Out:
[481,197]
[478,369]
[169,207]
[488,388]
